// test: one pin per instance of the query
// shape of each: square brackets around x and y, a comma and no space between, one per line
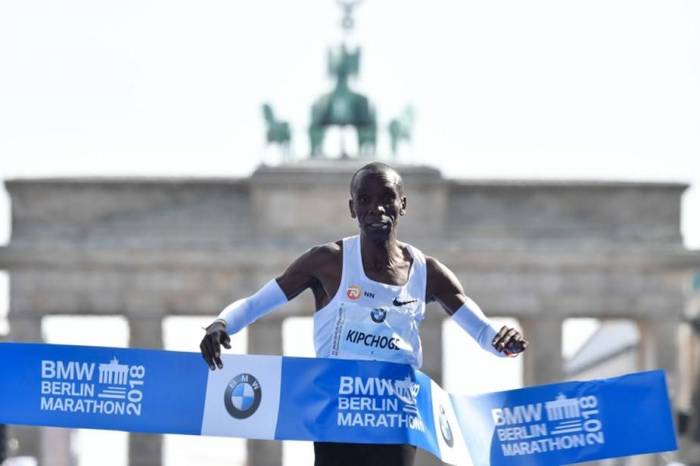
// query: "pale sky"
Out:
[595,89]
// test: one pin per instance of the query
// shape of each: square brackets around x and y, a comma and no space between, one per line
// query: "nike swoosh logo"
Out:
[403,303]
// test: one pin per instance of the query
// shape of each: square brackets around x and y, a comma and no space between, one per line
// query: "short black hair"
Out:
[379,169]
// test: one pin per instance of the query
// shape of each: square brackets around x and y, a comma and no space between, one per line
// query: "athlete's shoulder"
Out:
[411,248]
[433,265]
[437,271]
[315,261]
[328,250]
[322,254]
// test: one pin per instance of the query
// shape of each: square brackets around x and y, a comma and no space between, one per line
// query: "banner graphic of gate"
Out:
[287,398]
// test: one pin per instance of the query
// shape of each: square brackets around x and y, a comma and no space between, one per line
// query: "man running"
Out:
[370,292]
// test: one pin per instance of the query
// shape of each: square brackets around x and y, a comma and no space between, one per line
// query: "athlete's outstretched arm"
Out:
[445,288]
[299,276]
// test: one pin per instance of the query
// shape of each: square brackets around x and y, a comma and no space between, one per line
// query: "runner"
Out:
[370,292]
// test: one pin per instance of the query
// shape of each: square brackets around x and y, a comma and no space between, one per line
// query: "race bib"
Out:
[386,333]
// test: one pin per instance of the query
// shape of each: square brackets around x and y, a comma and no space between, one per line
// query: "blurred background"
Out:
[550,151]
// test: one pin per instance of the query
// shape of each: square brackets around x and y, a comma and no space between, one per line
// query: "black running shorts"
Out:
[363,454]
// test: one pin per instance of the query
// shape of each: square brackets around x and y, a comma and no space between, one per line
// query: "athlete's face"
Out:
[377,204]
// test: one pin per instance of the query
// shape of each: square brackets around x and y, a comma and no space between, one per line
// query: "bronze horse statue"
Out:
[400,129]
[278,131]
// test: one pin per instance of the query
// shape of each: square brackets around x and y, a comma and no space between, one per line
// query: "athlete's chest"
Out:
[380,286]
[377,321]
[377,297]
[394,276]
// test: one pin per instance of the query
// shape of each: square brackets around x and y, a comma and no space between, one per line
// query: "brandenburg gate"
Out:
[540,252]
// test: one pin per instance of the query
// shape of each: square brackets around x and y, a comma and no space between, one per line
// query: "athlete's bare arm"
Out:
[444,287]
[319,269]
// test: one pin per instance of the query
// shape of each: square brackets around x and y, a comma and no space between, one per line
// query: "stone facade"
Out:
[537,251]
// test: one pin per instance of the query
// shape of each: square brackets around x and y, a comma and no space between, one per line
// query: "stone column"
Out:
[145,332]
[542,361]
[25,441]
[658,347]
[265,337]
[56,447]
[666,336]
[431,339]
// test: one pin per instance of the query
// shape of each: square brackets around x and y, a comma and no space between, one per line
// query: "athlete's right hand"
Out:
[211,344]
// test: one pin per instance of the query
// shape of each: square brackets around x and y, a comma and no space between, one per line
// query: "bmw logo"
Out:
[378,315]
[242,396]
[445,429]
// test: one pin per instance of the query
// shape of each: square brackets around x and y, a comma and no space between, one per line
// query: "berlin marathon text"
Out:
[90,406]
[390,420]
[543,445]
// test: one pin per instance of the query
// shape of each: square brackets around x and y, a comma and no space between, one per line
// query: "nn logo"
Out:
[353,292]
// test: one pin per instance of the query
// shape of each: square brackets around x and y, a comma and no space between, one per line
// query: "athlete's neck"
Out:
[385,254]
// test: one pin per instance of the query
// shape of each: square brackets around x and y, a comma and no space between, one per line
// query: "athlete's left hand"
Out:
[210,346]
[509,341]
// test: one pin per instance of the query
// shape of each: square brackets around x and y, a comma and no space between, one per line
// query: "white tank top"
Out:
[372,320]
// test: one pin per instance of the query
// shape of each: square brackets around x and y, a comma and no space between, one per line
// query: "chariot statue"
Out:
[342,106]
